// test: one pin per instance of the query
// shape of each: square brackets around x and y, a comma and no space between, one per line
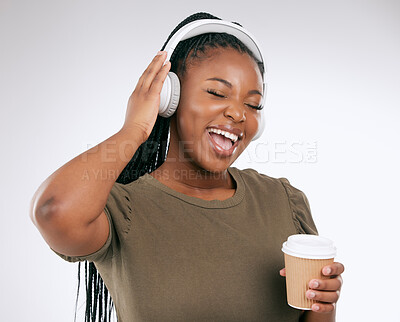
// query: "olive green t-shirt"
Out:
[171,257]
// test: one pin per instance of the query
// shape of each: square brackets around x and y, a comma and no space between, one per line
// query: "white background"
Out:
[67,69]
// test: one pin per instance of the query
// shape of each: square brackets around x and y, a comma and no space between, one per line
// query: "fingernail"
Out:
[327,270]
[160,53]
[315,307]
[310,295]
[314,284]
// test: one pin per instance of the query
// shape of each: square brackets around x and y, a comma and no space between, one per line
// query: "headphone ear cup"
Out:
[261,125]
[169,96]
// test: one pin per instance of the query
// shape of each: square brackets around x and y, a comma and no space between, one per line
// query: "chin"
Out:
[204,157]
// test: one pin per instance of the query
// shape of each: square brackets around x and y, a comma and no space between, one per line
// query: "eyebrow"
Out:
[224,81]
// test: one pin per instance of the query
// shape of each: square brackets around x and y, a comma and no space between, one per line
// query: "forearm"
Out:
[311,316]
[79,189]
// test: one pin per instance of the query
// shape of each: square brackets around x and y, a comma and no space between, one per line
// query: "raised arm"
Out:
[68,207]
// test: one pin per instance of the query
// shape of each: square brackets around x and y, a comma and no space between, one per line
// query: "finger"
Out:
[333,284]
[152,71]
[333,269]
[158,81]
[146,71]
[322,307]
[282,272]
[323,296]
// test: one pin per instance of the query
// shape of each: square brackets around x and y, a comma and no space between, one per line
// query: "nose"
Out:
[235,113]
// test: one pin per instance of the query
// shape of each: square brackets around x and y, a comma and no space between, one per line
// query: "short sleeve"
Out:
[300,207]
[118,212]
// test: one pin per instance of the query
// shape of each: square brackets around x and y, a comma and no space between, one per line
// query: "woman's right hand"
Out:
[144,102]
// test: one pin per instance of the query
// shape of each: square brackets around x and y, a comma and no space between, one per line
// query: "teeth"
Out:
[228,135]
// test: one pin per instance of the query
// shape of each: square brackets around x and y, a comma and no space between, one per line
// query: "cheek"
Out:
[189,120]
[194,115]
[200,106]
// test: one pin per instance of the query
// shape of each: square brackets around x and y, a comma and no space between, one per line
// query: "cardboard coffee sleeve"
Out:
[305,256]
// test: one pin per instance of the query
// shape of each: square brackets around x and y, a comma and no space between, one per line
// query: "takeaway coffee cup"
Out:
[305,256]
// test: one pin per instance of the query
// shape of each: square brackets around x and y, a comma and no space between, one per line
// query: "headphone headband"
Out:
[204,26]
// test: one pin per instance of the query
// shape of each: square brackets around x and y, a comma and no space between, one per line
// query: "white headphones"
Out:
[169,97]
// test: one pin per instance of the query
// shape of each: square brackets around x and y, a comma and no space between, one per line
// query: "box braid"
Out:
[152,153]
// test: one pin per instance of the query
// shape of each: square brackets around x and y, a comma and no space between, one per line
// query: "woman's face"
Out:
[217,93]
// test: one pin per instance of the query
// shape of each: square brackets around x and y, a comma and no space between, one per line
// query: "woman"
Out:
[181,235]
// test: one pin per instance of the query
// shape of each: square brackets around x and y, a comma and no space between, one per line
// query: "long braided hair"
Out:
[152,153]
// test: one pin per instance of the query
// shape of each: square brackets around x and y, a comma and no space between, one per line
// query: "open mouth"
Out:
[224,142]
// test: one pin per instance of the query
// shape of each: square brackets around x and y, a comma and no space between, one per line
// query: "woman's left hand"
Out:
[325,291]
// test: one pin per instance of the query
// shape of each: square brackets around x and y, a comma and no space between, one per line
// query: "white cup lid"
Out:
[309,246]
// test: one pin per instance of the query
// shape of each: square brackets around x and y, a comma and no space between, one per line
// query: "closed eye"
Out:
[211,91]
[259,107]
